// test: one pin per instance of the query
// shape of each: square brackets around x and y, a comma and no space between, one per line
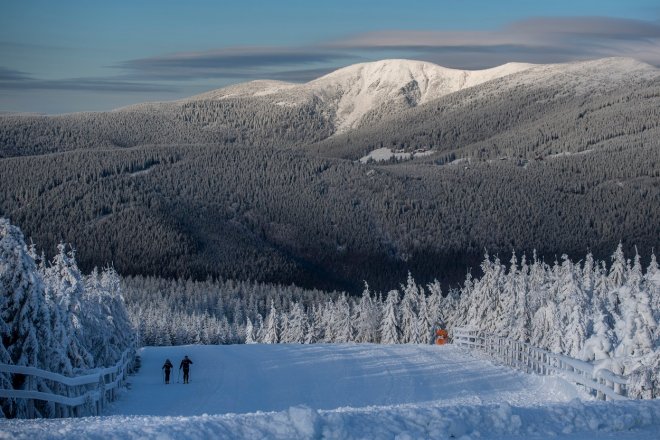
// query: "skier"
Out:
[185,364]
[167,366]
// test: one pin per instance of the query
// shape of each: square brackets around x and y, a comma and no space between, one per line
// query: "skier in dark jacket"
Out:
[185,364]
[167,366]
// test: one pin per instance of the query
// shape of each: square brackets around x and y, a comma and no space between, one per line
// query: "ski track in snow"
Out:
[346,391]
[255,377]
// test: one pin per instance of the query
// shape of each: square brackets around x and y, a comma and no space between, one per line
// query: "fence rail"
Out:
[76,396]
[521,355]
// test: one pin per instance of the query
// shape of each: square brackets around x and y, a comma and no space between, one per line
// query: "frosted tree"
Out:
[271,333]
[618,268]
[438,314]
[284,328]
[389,328]
[66,282]
[327,321]
[637,327]
[652,281]
[506,304]
[572,303]
[521,319]
[249,332]
[544,327]
[312,335]
[600,344]
[366,318]
[297,325]
[342,323]
[424,322]
[408,311]
[104,314]
[259,329]
[25,326]
[482,305]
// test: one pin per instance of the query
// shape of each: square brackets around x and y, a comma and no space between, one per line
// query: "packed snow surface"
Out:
[346,391]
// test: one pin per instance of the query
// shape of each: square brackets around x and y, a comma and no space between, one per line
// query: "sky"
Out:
[65,56]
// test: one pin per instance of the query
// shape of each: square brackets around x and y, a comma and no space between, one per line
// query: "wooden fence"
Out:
[72,396]
[523,356]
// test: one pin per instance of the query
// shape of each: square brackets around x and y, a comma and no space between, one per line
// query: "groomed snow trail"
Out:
[346,392]
[247,378]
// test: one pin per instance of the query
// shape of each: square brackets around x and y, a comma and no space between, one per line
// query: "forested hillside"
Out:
[249,186]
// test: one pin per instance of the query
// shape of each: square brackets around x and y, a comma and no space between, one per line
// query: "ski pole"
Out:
[178,376]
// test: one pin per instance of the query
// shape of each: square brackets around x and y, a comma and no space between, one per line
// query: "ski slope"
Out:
[257,377]
[346,391]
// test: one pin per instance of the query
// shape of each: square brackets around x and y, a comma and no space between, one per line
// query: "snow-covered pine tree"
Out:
[521,319]
[249,332]
[440,314]
[618,268]
[362,316]
[600,344]
[271,333]
[103,313]
[66,282]
[572,304]
[327,321]
[312,334]
[408,312]
[297,325]
[342,324]
[537,284]
[637,328]
[284,328]
[259,329]
[23,314]
[389,328]
[652,282]
[506,300]
[424,322]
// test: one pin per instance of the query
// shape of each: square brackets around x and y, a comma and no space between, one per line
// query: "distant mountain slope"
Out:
[382,88]
[539,111]
[254,181]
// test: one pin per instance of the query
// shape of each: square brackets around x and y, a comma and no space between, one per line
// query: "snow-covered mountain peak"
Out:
[367,92]
[391,85]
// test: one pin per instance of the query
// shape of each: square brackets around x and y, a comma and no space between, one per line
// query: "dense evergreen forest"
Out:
[247,188]
[286,217]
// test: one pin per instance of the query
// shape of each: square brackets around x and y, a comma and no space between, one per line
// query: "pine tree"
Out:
[25,325]
[389,328]
[249,332]
[521,318]
[424,322]
[572,303]
[343,326]
[271,334]
[618,268]
[312,335]
[297,325]
[363,317]
[65,279]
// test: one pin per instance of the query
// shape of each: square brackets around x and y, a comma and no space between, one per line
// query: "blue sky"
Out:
[61,56]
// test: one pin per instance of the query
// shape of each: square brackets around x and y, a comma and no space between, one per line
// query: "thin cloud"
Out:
[233,62]
[536,40]
[11,79]
[12,75]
